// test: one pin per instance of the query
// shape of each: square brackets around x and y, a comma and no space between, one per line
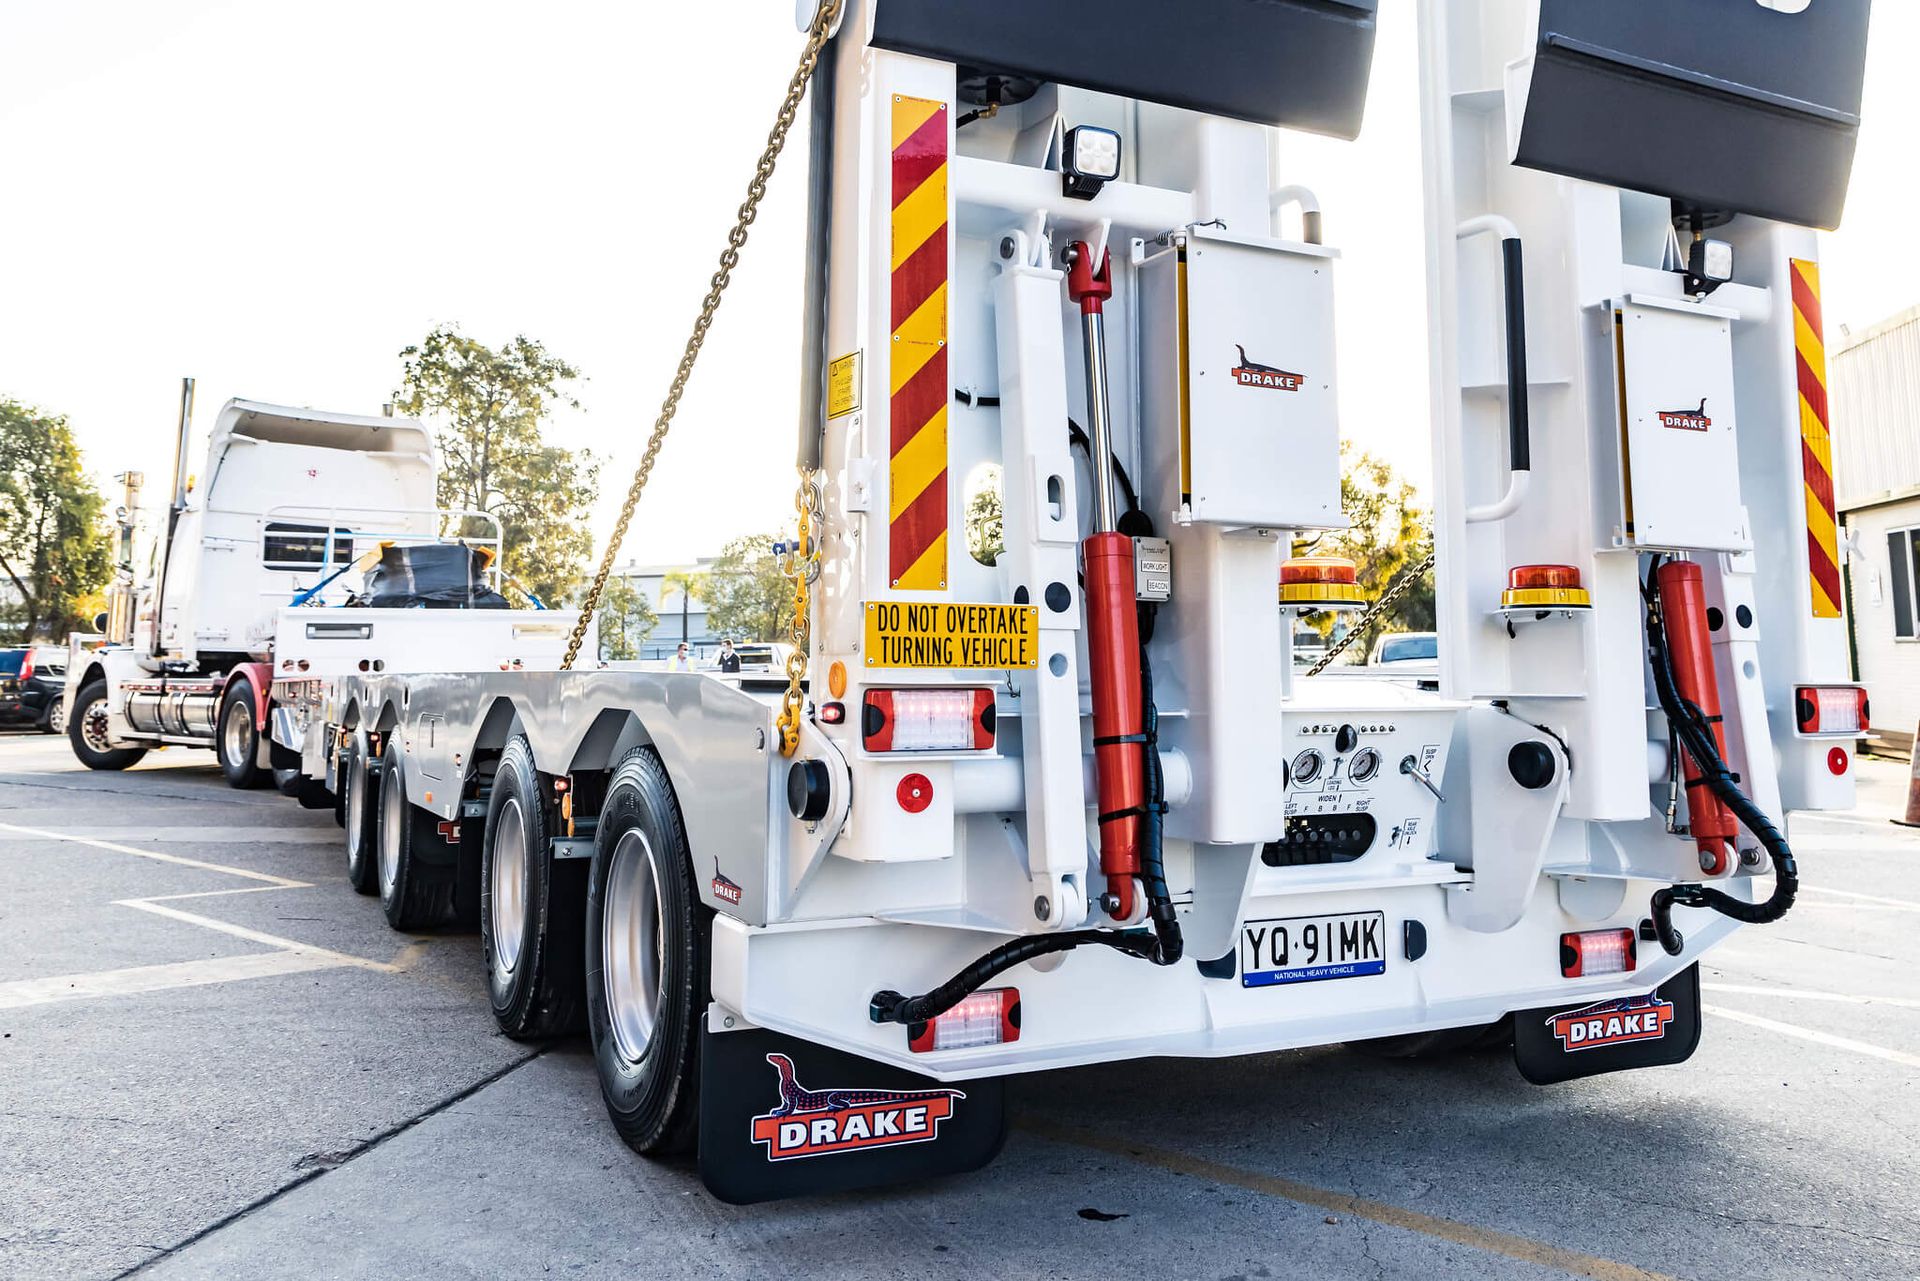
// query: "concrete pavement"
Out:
[217,1061]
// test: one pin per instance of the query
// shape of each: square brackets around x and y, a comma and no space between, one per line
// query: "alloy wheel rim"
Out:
[508,886]
[632,942]
[93,726]
[356,785]
[393,811]
[236,734]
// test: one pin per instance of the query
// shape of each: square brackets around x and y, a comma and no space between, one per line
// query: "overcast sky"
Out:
[276,198]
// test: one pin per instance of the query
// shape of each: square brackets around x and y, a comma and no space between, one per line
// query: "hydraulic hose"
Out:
[1163,946]
[1691,726]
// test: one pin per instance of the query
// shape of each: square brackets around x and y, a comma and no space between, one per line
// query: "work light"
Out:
[1089,161]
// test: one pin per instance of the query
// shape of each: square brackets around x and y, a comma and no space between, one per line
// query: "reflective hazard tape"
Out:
[917,468]
[1816,443]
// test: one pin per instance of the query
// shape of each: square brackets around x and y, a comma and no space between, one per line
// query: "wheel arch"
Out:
[259,677]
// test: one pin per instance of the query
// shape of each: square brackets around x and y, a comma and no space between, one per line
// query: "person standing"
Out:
[683,660]
[729,659]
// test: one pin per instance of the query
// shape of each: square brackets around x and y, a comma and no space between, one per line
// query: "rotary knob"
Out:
[1307,766]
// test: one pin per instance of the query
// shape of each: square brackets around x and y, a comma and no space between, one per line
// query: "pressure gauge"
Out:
[1307,766]
[1364,765]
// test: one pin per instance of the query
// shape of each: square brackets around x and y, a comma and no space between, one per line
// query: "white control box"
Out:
[1674,482]
[1241,427]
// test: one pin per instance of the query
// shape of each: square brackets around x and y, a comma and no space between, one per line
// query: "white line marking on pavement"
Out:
[1904,904]
[253,936]
[252,834]
[117,848]
[289,957]
[1802,994]
[161,978]
[1818,1038]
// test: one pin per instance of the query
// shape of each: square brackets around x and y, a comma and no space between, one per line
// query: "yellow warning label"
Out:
[843,385]
[992,636]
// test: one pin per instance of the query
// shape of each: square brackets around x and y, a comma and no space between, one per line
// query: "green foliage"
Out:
[54,551]
[986,522]
[1390,534]
[748,598]
[487,407]
[625,620]
[691,586]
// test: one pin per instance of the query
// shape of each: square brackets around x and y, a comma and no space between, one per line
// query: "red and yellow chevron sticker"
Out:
[1816,443]
[917,470]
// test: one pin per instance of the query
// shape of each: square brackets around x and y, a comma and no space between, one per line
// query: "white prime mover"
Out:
[1077,799]
[232,642]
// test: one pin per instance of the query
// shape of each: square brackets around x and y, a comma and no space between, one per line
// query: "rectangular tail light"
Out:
[927,720]
[1831,709]
[991,1017]
[1598,952]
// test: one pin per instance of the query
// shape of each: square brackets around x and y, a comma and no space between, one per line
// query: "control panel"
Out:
[1360,781]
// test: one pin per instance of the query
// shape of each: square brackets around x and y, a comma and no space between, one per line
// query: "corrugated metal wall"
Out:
[1874,383]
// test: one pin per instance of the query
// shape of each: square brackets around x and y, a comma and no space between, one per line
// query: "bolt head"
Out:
[1006,246]
[1707,861]
[1042,908]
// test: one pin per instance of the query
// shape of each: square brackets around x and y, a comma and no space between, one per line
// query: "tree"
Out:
[625,620]
[986,518]
[691,585]
[488,407]
[748,597]
[1390,534]
[54,551]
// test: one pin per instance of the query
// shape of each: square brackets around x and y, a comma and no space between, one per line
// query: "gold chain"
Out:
[803,566]
[730,258]
[1394,593]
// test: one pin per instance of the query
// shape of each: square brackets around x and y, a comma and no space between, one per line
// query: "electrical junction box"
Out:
[1672,481]
[1240,427]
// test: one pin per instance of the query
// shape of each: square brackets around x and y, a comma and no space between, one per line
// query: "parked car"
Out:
[1407,652]
[32,680]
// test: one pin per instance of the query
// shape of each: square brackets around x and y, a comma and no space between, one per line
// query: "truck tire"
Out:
[87,731]
[416,894]
[360,808]
[531,909]
[236,739]
[647,940]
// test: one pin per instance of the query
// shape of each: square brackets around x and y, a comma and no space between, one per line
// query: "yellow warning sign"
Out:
[992,636]
[843,385]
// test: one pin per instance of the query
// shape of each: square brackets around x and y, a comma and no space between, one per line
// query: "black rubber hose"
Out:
[1163,947]
[1695,733]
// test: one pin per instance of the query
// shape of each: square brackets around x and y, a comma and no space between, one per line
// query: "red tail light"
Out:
[927,720]
[26,667]
[1831,709]
[1598,952]
[991,1017]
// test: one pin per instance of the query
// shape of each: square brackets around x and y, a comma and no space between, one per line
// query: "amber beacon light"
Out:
[1318,580]
[1544,587]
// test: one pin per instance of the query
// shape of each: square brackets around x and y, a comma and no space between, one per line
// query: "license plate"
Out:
[1306,949]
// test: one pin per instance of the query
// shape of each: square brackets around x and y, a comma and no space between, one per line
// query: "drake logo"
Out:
[819,1122]
[1251,373]
[723,889]
[1632,1018]
[1687,419]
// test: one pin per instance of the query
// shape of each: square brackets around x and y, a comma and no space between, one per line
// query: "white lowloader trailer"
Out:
[234,642]
[1076,805]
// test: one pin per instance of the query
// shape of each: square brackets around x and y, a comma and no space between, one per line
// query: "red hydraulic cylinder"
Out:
[1113,626]
[1113,654]
[1683,610]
